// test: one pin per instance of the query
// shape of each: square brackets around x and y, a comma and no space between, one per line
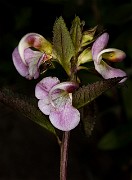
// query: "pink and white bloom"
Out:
[26,60]
[55,100]
[99,54]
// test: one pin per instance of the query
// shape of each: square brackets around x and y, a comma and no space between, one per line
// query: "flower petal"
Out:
[99,45]
[44,86]
[68,87]
[33,70]
[66,119]
[30,55]
[108,72]
[19,65]
[44,106]
[111,54]
[30,40]
[33,60]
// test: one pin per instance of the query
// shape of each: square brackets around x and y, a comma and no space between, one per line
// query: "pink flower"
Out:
[55,100]
[99,54]
[26,60]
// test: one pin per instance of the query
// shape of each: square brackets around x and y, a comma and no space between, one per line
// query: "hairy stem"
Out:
[66,134]
[64,155]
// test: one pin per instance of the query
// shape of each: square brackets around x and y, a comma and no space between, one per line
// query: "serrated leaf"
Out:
[62,44]
[27,106]
[116,138]
[76,33]
[88,117]
[86,94]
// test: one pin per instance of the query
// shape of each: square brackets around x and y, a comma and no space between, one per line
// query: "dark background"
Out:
[28,152]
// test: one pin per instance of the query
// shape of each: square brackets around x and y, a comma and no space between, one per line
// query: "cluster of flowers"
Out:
[55,97]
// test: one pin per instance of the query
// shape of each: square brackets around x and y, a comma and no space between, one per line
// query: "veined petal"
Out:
[111,54]
[33,69]
[65,119]
[99,45]
[33,60]
[59,99]
[108,72]
[58,105]
[29,40]
[34,40]
[19,65]
[45,106]
[30,55]
[44,86]
[68,87]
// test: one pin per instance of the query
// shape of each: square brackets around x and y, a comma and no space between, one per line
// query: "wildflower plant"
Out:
[61,103]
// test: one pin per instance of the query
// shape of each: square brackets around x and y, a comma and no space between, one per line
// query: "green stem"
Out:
[64,155]
[73,76]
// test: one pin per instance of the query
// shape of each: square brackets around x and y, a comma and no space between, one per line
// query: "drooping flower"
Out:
[55,100]
[33,50]
[99,54]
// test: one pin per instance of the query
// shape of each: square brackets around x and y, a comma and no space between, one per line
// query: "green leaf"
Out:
[76,33]
[27,106]
[62,44]
[116,138]
[88,117]
[86,94]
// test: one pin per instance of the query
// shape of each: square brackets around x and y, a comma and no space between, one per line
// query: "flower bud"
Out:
[88,36]
[85,56]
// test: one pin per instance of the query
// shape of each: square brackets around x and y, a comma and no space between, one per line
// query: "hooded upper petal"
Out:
[111,54]
[66,86]
[99,45]
[64,91]
[28,59]
[36,41]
